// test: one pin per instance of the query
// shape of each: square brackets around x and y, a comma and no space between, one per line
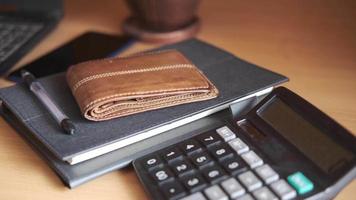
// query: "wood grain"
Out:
[311,42]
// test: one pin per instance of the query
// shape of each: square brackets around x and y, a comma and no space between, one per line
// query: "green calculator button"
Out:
[300,182]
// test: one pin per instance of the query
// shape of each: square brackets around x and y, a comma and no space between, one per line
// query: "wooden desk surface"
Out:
[311,42]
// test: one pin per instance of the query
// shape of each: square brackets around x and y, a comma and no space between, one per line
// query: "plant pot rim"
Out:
[131,27]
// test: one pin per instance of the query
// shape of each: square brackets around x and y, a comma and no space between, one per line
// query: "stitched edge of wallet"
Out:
[180,100]
[208,84]
[135,54]
[135,93]
[117,73]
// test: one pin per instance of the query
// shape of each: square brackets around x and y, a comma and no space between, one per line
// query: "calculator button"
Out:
[233,188]
[300,182]
[162,175]
[215,193]
[202,159]
[239,146]
[182,167]
[209,139]
[250,181]
[193,182]
[267,174]
[189,147]
[246,197]
[173,190]
[195,196]
[283,190]
[226,133]
[171,154]
[152,162]
[252,159]
[213,174]
[221,151]
[233,165]
[264,194]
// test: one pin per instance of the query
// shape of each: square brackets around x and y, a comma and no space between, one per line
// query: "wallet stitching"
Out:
[156,101]
[212,93]
[134,71]
[134,93]
[155,91]
[150,107]
[180,100]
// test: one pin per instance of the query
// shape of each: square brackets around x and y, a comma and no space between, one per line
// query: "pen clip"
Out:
[27,77]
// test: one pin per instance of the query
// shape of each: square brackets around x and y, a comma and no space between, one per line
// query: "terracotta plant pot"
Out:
[162,20]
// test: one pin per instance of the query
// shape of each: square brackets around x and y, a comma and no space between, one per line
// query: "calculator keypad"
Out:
[213,165]
[190,147]
[221,152]
[264,194]
[215,192]
[252,159]
[182,168]
[233,188]
[193,182]
[267,174]
[213,174]
[250,181]
[162,175]
[283,190]
[172,154]
[209,139]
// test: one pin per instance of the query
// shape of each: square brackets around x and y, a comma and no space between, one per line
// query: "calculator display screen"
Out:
[308,139]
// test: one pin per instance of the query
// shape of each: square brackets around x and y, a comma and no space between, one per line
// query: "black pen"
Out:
[42,95]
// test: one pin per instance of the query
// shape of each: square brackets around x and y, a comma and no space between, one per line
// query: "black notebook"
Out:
[234,78]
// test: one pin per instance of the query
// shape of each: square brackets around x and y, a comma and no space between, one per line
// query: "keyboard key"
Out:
[213,174]
[283,190]
[233,165]
[238,145]
[182,167]
[226,133]
[173,190]
[162,175]
[264,194]
[233,188]
[12,36]
[246,197]
[152,162]
[300,182]
[202,159]
[215,193]
[171,154]
[221,151]
[252,159]
[193,182]
[250,181]
[195,196]
[209,139]
[267,174]
[190,147]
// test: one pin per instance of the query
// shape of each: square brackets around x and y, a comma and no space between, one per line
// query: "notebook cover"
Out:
[233,77]
[75,175]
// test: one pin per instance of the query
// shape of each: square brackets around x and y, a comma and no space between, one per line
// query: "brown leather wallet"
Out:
[115,87]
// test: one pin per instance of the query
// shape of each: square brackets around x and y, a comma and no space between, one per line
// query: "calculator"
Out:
[282,148]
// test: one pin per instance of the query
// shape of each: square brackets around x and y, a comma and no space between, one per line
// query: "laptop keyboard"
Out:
[15,34]
[216,165]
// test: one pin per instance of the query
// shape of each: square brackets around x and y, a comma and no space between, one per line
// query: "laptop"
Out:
[23,24]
